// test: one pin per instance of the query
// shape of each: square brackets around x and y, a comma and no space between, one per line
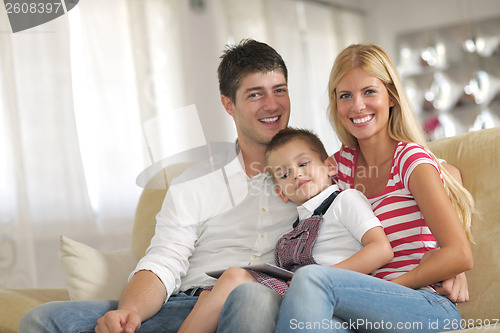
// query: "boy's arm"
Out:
[376,252]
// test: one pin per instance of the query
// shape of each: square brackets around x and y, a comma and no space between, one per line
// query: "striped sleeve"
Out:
[345,165]
[409,157]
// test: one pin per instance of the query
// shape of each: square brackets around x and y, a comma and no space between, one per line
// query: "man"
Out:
[228,217]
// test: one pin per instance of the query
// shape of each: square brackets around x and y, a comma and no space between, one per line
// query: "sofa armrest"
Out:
[14,303]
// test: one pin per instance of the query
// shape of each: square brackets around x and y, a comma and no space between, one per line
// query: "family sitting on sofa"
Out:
[233,217]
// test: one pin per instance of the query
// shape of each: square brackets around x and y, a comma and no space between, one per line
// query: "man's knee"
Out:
[36,320]
[65,316]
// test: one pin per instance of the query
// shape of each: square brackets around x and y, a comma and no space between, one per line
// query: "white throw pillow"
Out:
[93,274]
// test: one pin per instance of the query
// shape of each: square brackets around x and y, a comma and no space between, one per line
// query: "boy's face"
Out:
[299,172]
[261,108]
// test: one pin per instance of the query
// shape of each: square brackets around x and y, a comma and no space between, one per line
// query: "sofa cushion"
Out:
[145,219]
[92,274]
[477,156]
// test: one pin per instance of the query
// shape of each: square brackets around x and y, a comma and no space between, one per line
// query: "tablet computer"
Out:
[267,268]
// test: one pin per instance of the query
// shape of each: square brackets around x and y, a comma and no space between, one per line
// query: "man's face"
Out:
[261,108]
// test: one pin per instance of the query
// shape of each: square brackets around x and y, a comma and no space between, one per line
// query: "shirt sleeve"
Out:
[411,156]
[356,213]
[173,241]
[345,165]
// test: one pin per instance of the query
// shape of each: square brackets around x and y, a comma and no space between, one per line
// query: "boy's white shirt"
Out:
[345,222]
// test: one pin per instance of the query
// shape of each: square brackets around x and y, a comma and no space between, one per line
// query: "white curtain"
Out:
[71,139]
[43,185]
[75,92]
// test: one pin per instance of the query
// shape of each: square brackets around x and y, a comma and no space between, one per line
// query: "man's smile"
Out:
[270,120]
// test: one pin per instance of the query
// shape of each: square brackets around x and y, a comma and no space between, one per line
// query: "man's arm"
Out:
[144,295]
[168,253]
[141,299]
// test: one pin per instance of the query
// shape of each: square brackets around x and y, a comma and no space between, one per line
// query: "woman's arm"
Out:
[455,288]
[376,252]
[454,255]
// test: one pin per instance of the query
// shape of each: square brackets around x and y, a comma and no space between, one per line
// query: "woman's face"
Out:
[363,104]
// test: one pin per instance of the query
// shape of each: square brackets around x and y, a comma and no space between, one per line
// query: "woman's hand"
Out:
[455,289]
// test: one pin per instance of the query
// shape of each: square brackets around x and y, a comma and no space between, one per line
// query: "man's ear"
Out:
[228,105]
[280,193]
[332,166]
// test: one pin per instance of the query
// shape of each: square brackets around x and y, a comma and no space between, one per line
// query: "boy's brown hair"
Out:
[289,134]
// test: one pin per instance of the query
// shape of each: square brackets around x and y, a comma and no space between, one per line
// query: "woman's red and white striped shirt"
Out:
[395,206]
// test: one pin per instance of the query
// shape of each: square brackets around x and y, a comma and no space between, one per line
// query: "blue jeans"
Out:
[245,303]
[81,316]
[326,299]
[250,308]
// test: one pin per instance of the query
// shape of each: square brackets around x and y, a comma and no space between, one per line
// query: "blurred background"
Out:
[76,91]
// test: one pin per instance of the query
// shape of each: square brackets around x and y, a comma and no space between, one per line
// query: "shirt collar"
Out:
[306,210]
[235,163]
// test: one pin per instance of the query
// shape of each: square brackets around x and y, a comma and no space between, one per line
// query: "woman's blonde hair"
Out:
[403,123]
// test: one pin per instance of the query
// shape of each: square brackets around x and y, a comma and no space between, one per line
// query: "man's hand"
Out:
[118,321]
[455,289]
[141,299]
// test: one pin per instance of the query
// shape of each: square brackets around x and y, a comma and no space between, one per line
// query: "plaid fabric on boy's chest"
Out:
[294,249]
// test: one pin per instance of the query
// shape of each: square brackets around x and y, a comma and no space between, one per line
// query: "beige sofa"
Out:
[476,154]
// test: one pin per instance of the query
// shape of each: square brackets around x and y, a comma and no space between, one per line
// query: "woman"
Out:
[384,156]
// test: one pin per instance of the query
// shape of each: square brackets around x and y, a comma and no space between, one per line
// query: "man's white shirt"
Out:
[213,217]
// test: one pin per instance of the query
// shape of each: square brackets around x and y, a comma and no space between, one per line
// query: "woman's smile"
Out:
[362,120]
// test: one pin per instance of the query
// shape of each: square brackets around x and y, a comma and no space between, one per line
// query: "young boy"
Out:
[334,228]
